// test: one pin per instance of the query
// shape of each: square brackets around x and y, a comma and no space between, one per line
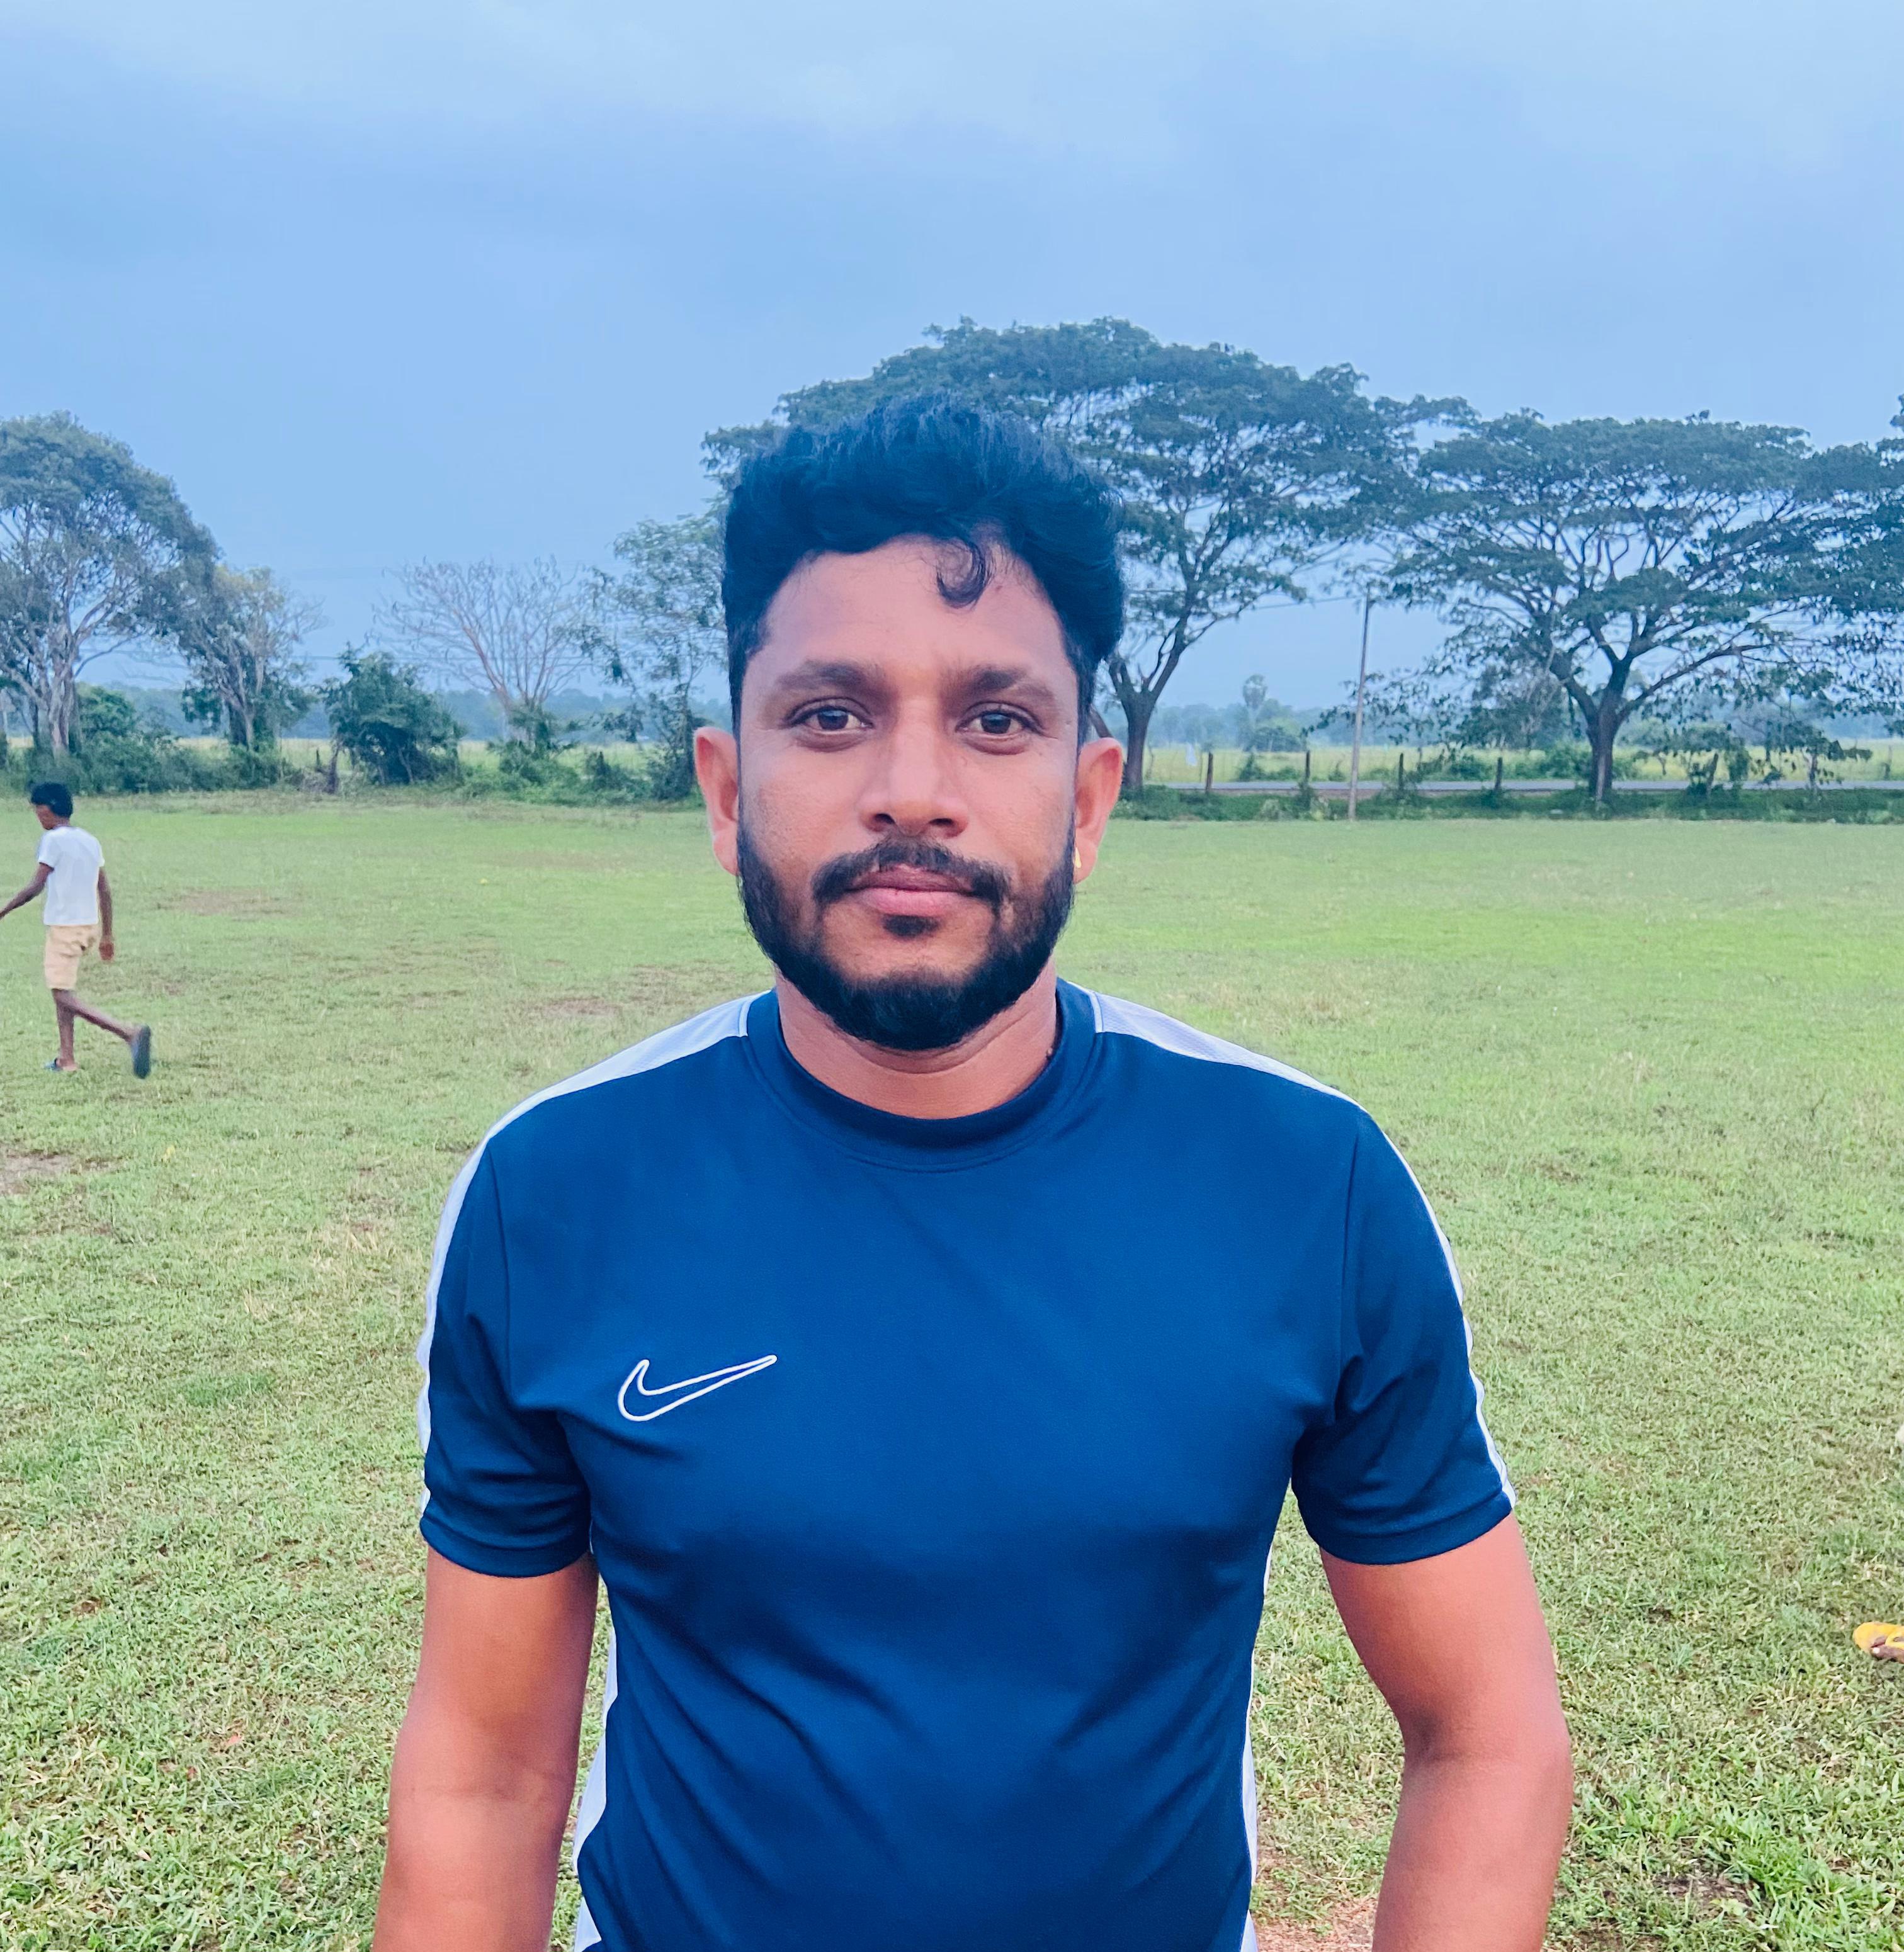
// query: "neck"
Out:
[995,1062]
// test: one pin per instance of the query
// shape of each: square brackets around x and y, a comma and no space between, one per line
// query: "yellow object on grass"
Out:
[1875,1634]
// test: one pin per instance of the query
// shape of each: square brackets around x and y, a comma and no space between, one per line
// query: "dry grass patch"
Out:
[1350,1928]
[18,1170]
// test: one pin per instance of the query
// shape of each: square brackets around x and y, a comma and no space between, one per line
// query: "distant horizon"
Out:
[1857,727]
[143,686]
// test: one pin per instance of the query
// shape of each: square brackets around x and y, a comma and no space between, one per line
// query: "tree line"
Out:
[1597,570]
[1589,573]
[100,554]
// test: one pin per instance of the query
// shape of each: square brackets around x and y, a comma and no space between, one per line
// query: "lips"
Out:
[902,876]
[911,891]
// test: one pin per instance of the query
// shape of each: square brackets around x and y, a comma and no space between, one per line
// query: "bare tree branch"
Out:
[518,631]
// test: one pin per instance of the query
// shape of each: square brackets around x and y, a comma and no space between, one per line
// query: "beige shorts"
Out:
[68,944]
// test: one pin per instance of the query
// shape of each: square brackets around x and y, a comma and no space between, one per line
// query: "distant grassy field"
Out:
[1166,762]
[1651,1074]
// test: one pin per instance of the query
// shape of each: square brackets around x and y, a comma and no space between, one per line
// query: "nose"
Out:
[914,786]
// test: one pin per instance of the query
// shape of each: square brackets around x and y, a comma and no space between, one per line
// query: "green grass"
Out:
[1652,1074]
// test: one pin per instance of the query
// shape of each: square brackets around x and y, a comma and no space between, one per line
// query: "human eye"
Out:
[998,722]
[829,718]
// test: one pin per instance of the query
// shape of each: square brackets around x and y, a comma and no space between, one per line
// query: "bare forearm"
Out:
[485,1763]
[20,900]
[470,1864]
[1477,1841]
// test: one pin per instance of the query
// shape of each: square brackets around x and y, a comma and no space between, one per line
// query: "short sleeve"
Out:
[1400,1466]
[48,854]
[502,1494]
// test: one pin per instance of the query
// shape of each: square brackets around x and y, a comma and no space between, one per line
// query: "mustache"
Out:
[838,877]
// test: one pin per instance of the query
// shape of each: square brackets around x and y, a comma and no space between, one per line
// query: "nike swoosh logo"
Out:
[672,1396]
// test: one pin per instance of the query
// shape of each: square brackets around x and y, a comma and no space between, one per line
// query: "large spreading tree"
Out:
[1238,479]
[1651,568]
[240,644]
[96,553]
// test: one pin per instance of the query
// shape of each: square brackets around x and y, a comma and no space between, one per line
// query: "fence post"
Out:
[1209,770]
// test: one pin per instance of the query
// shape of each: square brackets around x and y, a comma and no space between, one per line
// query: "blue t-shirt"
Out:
[932,1465]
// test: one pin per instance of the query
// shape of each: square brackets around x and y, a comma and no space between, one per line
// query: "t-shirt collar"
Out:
[945,1141]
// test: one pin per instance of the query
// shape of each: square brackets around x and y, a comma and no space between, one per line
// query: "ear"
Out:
[717,767]
[1100,778]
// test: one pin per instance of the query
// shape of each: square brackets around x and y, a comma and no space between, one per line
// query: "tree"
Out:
[96,552]
[519,631]
[1428,708]
[1646,566]
[387,723]
[1868,592]
[1263,724]
[1237,478]
[104,714]
[240,651]
[662,634]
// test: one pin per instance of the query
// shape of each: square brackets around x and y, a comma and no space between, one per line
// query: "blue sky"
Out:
[380,279]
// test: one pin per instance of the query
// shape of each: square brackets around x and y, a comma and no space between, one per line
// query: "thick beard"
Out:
[907,1013]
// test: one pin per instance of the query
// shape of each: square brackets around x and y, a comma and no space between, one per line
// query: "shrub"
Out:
[1166,803]
[104,715]
[262,765]
[388,724]
[112,752]
[521,767]
[669,775]
[602,779]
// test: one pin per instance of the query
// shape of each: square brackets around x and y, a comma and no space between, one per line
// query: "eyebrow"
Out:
[1012,679]
[844,674]
[838,674]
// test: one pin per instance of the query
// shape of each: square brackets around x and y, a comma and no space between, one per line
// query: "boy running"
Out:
[71,870]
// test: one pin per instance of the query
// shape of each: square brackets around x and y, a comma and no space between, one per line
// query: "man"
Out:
[71,869]
[933,1498]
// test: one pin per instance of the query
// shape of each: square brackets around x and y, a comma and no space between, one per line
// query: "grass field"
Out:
[1652,1074]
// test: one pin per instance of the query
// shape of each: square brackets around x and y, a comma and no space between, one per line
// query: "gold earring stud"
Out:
[1077,858]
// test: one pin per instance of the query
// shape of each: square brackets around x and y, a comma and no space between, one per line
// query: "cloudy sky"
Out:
[373,279]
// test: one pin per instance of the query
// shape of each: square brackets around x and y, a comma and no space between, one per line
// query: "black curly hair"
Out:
[935,467]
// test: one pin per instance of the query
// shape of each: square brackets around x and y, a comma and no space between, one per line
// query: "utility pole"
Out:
[1361,686]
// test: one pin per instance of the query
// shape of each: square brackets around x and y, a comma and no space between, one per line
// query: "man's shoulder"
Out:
[613,1089]
[1192,1065]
